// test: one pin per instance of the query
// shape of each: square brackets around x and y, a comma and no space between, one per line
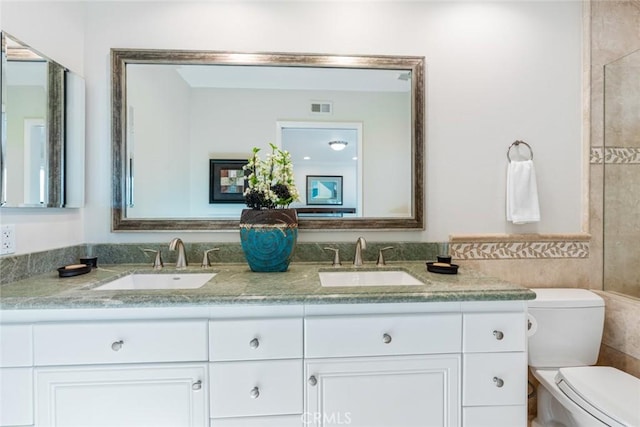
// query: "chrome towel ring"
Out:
[517,143]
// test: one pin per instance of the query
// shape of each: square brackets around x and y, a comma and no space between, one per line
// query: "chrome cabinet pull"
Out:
[386,338]
[197,385]
[254,393]
[499,382]
[312,380]
[117,345]
[498,334]
[254,343]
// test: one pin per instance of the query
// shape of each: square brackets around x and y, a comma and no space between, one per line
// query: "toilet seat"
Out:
[608,394]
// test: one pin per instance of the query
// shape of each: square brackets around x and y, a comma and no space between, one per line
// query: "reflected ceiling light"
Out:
[338,145]
[354,158]
[306,158]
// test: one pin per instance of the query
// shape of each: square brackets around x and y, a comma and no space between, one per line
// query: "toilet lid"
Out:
[607,393]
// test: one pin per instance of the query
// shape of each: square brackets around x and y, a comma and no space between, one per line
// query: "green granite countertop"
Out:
[236,284]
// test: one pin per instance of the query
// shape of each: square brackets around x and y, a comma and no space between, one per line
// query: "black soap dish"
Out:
[442,268]
[90,260]
[73,270]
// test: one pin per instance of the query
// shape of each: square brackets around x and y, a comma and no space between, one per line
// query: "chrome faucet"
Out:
[361,245]
[176,244]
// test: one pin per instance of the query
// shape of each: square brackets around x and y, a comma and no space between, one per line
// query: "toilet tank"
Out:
[565,327]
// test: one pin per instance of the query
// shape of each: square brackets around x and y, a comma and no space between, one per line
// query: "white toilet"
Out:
[565,330]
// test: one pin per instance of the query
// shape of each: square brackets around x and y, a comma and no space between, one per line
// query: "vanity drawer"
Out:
[338,336]
[268,387]
[494,379]
[490,332]
[16,345]
[253,339]
[120,342]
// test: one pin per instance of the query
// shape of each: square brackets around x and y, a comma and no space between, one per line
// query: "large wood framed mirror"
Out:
[177,113]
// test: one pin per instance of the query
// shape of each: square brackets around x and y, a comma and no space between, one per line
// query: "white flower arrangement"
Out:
[271,183]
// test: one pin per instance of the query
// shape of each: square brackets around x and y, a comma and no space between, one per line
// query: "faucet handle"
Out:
[336,256]
[205,259]
[381,262]
[157,262]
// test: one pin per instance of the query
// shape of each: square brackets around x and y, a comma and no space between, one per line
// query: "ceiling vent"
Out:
[321,107]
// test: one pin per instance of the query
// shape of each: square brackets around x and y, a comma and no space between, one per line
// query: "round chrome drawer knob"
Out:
[116,346]
[197,385]
[254,393]
[386,338]
[499,382]
[498,334]
[254,343]
[312,380]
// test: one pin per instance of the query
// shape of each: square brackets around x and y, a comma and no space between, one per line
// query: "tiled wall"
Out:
[615,32]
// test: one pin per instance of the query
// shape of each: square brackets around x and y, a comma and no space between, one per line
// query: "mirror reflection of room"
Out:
[327,166]
[179,116]
[42,130]
[24,131]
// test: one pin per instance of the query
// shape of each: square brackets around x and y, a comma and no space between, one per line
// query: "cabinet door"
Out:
[383,391]
[126,395]
[16,396]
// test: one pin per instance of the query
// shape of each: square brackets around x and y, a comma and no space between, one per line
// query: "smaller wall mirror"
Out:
[42,130]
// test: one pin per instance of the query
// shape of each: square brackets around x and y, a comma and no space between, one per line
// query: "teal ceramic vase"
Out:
[268,238]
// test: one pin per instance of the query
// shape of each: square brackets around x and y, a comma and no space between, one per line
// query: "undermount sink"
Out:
[157,281]
[367,278]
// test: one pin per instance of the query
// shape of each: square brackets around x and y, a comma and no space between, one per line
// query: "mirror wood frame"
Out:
[121,57]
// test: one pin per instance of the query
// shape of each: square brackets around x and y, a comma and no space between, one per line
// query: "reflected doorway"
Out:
[35,162]
[325,149]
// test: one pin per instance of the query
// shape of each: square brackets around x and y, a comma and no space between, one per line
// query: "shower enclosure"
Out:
[621,212]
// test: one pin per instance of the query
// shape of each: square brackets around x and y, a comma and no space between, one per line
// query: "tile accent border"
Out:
[519,246]
[596,155]
[615,155]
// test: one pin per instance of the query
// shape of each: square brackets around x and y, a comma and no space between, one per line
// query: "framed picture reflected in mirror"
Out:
[227,181]
[324,190]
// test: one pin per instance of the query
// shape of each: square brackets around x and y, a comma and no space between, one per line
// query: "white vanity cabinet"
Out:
[121,373]
[448,364]
[367,371]
[16,375]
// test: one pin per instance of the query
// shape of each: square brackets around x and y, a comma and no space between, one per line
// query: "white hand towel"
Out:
[522,193]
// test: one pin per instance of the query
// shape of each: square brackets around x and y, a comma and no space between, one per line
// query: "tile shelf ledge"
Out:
[524,237]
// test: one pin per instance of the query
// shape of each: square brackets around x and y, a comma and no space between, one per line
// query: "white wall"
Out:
[57,30]
[54,28]
[496,72]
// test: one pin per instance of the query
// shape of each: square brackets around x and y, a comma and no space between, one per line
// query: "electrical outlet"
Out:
[7,239]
